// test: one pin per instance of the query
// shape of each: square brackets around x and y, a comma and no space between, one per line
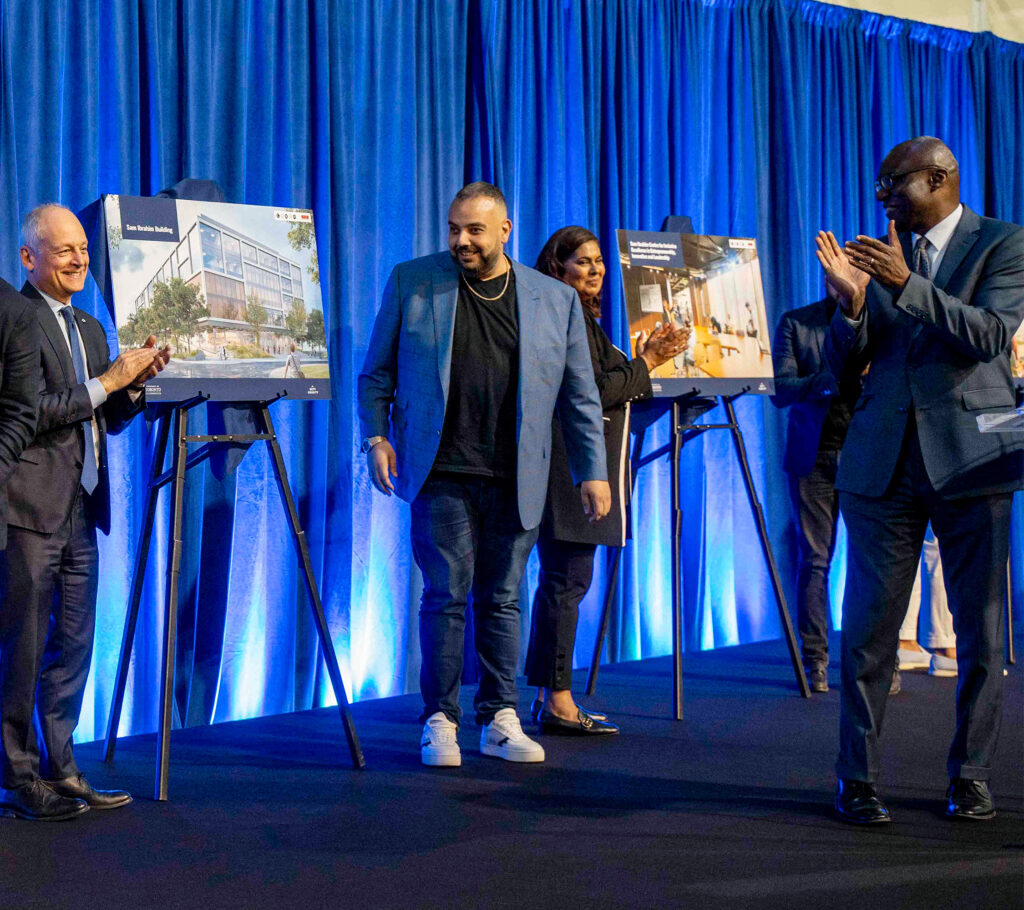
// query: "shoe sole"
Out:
[551,730]
[441,761]
[861,823]
[947,674]
[956,817]
[25,817]
[520,758]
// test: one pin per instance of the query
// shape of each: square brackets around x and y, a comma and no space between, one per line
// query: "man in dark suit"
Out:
[820,407]
[933,308]
[19,394]
[469,356]
[58,497]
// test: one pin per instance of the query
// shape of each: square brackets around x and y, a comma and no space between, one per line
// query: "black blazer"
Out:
[804,382]
[619,382]
[940,350]
[19,386]
[42,489]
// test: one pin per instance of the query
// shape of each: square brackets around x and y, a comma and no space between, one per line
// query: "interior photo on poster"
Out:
[709,285]
[234,289]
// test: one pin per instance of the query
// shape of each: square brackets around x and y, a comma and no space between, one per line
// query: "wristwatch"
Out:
[370,441]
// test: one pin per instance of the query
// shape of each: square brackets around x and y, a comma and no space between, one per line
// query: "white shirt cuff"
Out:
[97,394]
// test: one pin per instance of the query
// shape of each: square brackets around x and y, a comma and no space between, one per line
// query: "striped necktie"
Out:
[922,264]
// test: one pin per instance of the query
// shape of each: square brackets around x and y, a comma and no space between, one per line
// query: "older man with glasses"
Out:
[933,308]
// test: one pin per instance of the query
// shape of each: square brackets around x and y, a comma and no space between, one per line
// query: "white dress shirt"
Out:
[97,394]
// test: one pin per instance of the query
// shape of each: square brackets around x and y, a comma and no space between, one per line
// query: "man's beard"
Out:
[487,264]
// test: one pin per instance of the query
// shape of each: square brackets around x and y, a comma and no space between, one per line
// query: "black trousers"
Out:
[885,537]
[816,506]
[47,622]
[566,570]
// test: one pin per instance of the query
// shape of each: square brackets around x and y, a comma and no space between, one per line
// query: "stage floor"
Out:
[724,809]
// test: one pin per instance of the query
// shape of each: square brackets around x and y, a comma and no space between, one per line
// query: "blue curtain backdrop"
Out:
[761,118]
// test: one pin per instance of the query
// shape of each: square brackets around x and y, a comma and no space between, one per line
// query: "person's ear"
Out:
[937,178]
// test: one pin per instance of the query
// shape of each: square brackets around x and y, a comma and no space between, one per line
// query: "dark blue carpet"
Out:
[724,809]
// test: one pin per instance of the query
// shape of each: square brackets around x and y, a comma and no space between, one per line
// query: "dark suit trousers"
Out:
[816,506]
[885,537]
[46,638]
[566,570]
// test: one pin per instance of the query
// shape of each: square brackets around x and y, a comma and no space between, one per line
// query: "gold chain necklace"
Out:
[508,274]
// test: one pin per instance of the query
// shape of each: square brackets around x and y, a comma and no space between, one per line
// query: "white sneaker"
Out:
[504,738]
[942,665]
[440,747]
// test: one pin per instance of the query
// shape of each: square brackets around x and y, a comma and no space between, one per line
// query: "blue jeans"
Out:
[467,539]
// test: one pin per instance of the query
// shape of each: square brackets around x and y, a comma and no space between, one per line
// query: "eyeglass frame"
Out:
[880,187]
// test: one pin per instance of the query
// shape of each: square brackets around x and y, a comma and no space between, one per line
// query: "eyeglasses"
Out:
[886,182]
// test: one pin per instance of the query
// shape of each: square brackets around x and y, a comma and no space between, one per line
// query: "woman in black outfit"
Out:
[567,539]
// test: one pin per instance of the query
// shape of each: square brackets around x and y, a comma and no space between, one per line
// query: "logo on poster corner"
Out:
[297,215]
[154,390]
[762,387]
[313,390]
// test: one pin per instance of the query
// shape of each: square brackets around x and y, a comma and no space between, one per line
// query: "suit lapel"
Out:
[53,334]
[959,245]
[527,299]
[444,297]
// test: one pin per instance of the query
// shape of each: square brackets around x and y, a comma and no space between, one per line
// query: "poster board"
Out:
[235,290]
[711,285]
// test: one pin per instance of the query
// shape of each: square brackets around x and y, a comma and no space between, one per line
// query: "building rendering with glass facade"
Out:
[229,268]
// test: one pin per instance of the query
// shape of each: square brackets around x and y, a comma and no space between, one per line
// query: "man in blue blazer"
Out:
[934,308]
[820,407]
[469,357]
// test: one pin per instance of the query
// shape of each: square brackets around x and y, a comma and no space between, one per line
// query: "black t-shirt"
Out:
[479,433]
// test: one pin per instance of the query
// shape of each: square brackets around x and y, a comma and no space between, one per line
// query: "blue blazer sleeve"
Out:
[579,405]
[983,329]
[376,383]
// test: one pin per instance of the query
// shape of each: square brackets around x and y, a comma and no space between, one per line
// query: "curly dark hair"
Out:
[559,247]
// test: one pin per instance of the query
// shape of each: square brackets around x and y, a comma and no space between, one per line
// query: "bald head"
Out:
[925,183]
[54,251]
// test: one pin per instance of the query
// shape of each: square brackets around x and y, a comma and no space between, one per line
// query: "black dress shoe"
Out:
[538,706]
[858,803]
[38,803]
[969,801]
[78,787]
[584,725]
[818,678]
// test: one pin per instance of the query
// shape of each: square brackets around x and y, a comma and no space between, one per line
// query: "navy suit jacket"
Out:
[941,349]
[403,387]
[804,381]
[19,386]
[42,488]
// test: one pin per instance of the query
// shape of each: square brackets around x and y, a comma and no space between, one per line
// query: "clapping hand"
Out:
[664,343]
[848,282]
[880,259]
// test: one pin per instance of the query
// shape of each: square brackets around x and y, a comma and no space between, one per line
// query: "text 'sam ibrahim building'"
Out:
[229,268]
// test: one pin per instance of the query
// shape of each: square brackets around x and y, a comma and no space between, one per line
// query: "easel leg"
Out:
[766,548]
[678,640]
[171,608]
[613,576]
[602,630]
[312,590]
[1010,658]
[138,579]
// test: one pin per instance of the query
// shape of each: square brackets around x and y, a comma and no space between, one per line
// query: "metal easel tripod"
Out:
[684,410]
[181,461]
